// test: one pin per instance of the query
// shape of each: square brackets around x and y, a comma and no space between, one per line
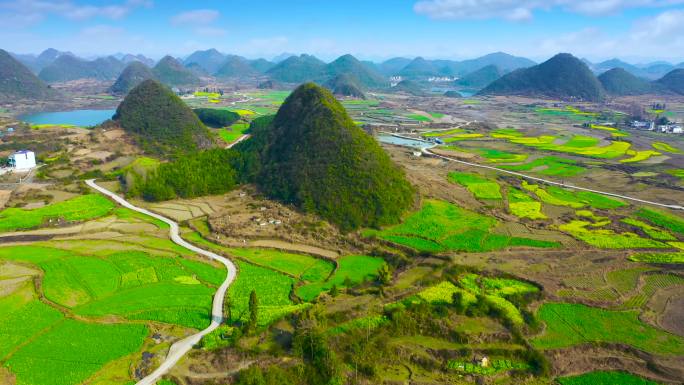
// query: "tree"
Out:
[253,311]
[334,291]
[385,274]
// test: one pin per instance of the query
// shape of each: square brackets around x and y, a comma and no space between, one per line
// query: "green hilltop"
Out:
[563,76]
[673,81]
[160,121]
[345,85]
[618,81]
[18,82]
[314,156]
[297,69]
[172,73]
[481,78]
[134,74]
[68,67]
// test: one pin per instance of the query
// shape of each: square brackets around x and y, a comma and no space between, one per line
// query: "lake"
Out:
[81,118]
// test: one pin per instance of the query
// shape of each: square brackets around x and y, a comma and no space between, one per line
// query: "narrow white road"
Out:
[430,153]
[180,348]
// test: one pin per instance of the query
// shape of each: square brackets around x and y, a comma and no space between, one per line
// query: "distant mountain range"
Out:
[567,77]
[496,73]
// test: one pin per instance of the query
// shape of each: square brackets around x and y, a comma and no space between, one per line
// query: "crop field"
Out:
[131,284]
[608,239]
[578,145]
[569,112]
[667,258]
[651,231]
[301,266]
[495,366]
[498,156]
[72,351]
[441,226]
[576,199]
[651,284]
[351,270]
[605,378]
[662,219]
[665,147]
[549,165]
[272,289]
[574,324]
[481,187]
[234,132]
[523,206]
[76,209]
[639,156]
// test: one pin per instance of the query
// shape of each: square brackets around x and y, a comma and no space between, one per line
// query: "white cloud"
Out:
[195,17]
[522,10]
[33,11]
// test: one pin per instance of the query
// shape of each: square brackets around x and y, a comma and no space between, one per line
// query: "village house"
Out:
[23,160]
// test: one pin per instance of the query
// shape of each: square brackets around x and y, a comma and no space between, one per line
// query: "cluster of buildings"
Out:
[670,128]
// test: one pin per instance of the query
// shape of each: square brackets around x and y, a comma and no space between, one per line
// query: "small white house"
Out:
[23,160]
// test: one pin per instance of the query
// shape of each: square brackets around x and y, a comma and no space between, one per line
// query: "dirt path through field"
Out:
[180,348]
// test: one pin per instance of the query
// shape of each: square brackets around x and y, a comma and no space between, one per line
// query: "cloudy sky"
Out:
[635,30]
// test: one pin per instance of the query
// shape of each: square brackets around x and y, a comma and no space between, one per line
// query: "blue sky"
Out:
[636,30]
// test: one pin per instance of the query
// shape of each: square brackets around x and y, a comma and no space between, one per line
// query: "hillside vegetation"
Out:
[314,156]
[172,73]
[160,121]
[618,81]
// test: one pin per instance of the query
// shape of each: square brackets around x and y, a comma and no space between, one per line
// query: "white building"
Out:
[23,160]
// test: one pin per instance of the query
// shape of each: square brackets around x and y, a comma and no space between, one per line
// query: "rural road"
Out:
[180,348]
[546,181]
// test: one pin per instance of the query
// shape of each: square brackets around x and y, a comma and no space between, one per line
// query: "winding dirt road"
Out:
[180,348]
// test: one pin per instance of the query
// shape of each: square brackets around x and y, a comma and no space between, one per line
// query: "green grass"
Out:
[73,351]
[131,284]
[353,269]
[418,117]
[574,324]
[272,289]
[662,219]
[76,209]
[234,132]
[442,226]
[523,206]
[369,323]
[21,319]
[666,258]
[495,366]
[604,378]
[481,187]
[549,165]
[297,265]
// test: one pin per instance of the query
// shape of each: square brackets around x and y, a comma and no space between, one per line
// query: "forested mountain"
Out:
[210,60]
[351,67]
[502,60]
[160,121]
[392,66]
[409,87]
[134,74]
[481,78]
[673,81]
[563,76]
[261,65]
[37,63]
[314,156]
[297,69]
[18,82]
[345,85]
[172,73]
[420,67]
[620,82]
[130,58]
[235,67]
[68,67]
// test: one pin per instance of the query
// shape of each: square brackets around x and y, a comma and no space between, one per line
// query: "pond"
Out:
[81,118]
[391,139]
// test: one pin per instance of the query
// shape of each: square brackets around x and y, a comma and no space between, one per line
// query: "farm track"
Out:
[180,348]
[427,151]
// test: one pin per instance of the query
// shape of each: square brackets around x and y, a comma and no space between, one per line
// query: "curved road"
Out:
[430,153]
[180,348]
